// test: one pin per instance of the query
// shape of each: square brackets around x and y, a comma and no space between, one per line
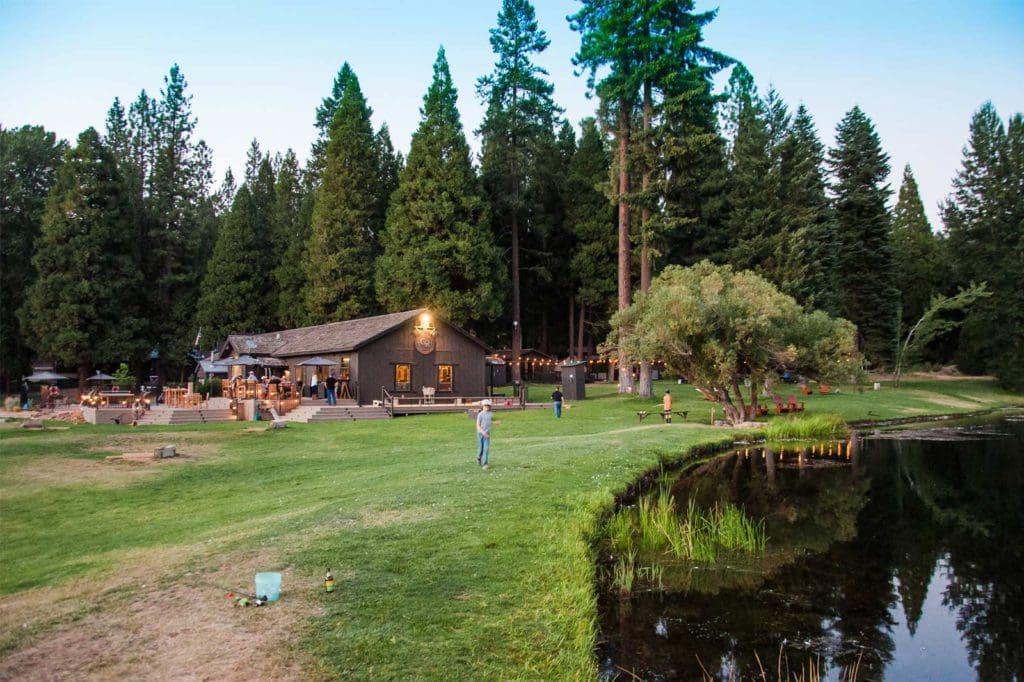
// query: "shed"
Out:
[574,379]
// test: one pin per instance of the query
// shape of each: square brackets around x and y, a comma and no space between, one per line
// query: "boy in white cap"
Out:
[483,433]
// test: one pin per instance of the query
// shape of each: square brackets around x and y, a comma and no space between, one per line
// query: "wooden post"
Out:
[712,416]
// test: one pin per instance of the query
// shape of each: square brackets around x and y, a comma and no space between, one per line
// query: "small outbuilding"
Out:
[574,379]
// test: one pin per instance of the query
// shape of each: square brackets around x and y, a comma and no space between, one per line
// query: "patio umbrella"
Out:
[45,376]
[246,360]
[100,376]
[317,362]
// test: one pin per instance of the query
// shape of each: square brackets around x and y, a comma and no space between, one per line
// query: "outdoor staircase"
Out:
[344,411]
[170,416]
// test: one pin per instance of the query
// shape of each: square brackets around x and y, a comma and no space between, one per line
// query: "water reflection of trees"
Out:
[847,546]
[970,497]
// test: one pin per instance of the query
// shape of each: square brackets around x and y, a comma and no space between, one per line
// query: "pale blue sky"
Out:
[259,69]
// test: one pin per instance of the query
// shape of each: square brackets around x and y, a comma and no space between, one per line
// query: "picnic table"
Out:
[643,414]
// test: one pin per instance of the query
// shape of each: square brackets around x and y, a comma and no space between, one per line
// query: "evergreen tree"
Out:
[865,286]
[985,221]
[917,253]
[233,299]
[76,311]
[807,261]
[180,226]
[324,118]
[438,250]
[754,214]
[225,196]
[291,240]
[648,50]
[607,31]
[390,163]
[29,159]
[339,267]
[520,115]
[592,220]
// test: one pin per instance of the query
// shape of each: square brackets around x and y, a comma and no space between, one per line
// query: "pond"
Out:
[889,556]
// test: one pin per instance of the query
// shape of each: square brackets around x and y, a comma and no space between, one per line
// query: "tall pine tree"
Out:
[985,221]
[917,253]
[29,158]
[865,284]
[79,310]
[520,117]
[233,299]
[591,218]
[291,241]
[438,248]
[342,244]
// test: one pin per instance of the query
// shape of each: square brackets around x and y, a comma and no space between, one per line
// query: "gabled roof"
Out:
[334,337]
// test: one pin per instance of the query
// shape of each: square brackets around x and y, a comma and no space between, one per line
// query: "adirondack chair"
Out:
[793,407]
[823,389]
[779,406]
[804,390]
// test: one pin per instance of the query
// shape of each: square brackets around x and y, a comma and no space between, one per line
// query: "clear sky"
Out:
[259,69]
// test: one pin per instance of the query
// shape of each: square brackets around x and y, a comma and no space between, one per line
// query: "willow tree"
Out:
[719,328]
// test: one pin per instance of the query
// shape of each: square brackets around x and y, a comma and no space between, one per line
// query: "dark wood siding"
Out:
[376,362]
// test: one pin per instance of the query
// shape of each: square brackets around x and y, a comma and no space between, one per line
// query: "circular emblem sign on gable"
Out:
[425,342]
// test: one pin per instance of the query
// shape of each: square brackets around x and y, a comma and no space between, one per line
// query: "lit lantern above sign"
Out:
[425,334]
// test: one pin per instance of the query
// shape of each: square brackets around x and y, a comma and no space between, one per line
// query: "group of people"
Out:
[50,395]
[334,387]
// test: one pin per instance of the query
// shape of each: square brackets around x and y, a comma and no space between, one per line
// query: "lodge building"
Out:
[400,353]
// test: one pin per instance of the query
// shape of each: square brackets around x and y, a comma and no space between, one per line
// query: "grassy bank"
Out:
[443,570]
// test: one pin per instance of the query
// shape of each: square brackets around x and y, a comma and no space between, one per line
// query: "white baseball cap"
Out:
[486,401]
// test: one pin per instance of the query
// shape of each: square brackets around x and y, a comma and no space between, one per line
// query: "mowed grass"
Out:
[444,570]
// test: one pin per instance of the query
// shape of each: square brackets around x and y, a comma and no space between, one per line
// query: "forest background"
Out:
[121,244]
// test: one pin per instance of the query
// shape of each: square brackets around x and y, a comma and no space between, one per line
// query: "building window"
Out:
[444,377]
[403,377]
[346,369]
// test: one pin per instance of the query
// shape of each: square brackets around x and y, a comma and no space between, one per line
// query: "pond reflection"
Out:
[895,558]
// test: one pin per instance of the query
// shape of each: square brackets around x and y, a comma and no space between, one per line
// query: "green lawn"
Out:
[444,570]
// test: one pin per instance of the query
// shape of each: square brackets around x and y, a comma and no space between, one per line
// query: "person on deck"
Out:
[332,382]
[483,433]
[666,407]
[314,386]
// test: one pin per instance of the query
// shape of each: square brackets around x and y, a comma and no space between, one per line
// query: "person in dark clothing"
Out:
[332,382]
[23,394]
[556,398]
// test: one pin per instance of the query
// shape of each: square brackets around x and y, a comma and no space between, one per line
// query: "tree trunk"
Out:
[579,339]
[625,283]
[517,325]
[572,322]
[83,374]
[754,383]
[646,388]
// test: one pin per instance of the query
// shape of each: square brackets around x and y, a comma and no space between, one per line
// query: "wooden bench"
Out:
[643,414]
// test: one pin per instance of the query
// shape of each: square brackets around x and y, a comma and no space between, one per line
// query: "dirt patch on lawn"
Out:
[102,473]
[144,623]
[947,401]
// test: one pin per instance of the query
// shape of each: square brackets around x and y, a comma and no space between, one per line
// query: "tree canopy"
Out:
[717,328]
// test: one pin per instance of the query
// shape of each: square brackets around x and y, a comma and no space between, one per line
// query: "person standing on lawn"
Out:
[556,398]
[483,433]
[666,407]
